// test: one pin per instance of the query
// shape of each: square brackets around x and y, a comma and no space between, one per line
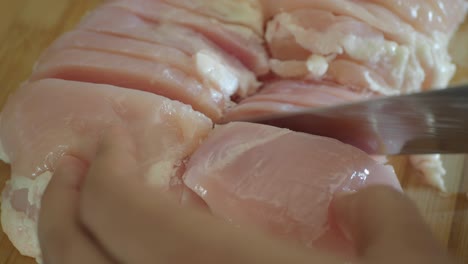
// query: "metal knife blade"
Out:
[420,123]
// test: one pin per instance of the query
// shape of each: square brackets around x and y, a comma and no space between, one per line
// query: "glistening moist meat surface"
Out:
[168,76]
[371,48]
[281,181]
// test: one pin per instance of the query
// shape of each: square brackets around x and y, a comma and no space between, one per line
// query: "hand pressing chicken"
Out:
[98,214]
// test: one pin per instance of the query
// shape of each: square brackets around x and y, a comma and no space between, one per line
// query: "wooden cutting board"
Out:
[27,27]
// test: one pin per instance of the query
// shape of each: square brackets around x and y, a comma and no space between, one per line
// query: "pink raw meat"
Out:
[46,119]
[366,44]
[280,181]
[123,23]
[346,51]
[380,19]
[291,96]
[390,16]
[378,46]
[85,40]
[129,72]
[427,16]
[239,41]
[247,13]
[204,53]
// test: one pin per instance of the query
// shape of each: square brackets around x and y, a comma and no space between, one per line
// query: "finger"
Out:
[138,225]
[386,227]
[115,162]
[106,189]
[61,238]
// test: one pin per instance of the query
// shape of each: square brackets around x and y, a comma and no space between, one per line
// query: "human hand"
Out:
[108,215]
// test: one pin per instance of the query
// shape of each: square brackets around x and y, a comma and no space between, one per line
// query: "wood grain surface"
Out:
[27,27]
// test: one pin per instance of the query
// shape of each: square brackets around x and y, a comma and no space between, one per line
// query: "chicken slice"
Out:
[211,61]
[427,16]
[356,54]
[129,72]
[283,96]
[381,18]
[239,41]
[47,119]
[280,181]
[391,16]
[94,41]
[247,13]
[205,67]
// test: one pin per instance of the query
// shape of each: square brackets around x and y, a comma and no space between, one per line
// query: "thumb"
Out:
[386,227]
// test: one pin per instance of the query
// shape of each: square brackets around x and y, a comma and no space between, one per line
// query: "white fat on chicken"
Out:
[314,68]
[289,68]
[436,60]
[163,173]
[229,79]
[361,56]
[215,71]
[21,200]
[317,65]
[432,168]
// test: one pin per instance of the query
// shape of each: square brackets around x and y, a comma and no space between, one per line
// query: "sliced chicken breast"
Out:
[280,181]
[239,41]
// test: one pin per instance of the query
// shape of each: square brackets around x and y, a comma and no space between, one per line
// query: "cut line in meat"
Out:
[238,41]
[128,72]
[123,23]
[240,171]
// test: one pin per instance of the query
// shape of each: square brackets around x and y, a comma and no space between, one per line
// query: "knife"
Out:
[419,123]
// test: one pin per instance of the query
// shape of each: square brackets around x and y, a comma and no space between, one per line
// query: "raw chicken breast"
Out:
[85,40]
[291,96]
[426,16]
[145,63]
[356,54]
[247,13]
[383,47]
[46,119]
[227,80]
[133,73]
[239,41]
[391,16]
[280,181]
[380,18]
[211,61]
